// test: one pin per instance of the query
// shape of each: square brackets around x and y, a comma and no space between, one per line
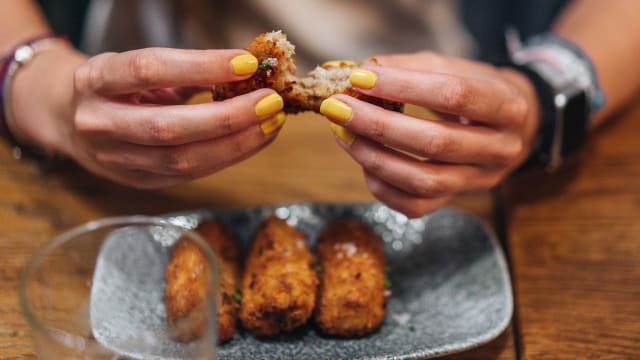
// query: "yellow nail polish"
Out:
[202,97]
[244,64]
[335,109]
[272,124]
[363,78]
[338,63]
[344,134]
[269,105]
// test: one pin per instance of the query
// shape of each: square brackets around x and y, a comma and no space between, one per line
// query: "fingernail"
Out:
[338,63]
[274,123]
[244,64]
[269,105]
[344,134]
[335,109]
[363,78]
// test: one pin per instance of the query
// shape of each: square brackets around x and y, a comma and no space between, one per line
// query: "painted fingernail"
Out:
[335,109]
[244,64]
[274,123]
[344,134]
[338,63]
[363,78]
[270,104]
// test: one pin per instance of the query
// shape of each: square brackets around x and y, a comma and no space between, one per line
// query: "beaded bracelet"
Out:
[9,65]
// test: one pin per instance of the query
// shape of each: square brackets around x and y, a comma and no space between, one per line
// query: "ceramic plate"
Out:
[450,284]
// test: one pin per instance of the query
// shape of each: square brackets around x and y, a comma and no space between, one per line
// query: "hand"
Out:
[122,115]
[490,120]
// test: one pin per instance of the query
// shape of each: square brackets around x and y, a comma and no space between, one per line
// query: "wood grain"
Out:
[575,248]
[303,164]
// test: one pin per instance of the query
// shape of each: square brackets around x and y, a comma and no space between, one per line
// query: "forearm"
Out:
[610,34]
[20,20]
[39,97]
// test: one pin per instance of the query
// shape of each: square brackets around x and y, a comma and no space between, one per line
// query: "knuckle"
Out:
[85,122]
[376,188]
[87,78]
[509,152]
[514,109]
[427,186]
[239,145]
[514,149]
[81,122]
[81,78]
[145,67]
[372,162]
[95,78]
[159,131]
[104,157]
[226,118]
[180,162]
[457,94]
[377,129]
[437,144]
[519,110]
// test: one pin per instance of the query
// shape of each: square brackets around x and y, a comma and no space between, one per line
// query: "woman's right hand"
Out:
[122,115]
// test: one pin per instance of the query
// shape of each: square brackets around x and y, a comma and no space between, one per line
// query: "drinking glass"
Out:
[97,292]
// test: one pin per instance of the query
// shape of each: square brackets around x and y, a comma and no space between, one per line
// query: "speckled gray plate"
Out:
[450,284]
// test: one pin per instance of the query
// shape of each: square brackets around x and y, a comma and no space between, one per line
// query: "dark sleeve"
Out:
[487,21]
[66,17]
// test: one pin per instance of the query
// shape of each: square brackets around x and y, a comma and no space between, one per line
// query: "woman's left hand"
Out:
[490,120]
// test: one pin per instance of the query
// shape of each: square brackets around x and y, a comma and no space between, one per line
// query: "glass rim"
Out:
[68,235]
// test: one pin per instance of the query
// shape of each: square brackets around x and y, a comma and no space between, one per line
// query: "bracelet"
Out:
[9,65]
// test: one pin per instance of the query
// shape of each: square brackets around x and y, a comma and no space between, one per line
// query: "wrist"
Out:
[42,100]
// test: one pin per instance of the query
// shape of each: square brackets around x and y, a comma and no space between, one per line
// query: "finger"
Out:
[147,181]
[151,68]
[176,124]
[415,177]
[434,62]
[164,96]
[440,140]
[490,101]
[136,178]
[399,200]
[190,160]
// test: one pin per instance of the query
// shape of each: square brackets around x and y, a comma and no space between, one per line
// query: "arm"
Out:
[610,34]
[20,20]
[122,115]
[492,113]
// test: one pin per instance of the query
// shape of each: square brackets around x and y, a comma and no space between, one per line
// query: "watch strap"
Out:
[588,77]
[541,151]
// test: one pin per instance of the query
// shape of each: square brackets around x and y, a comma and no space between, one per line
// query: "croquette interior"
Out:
[277,70]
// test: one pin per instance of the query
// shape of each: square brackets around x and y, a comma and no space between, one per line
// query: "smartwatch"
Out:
[568,91]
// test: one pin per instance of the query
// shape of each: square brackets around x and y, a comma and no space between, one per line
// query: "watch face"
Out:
[575,127]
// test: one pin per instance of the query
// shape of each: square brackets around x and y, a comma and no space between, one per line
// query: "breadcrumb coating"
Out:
[351,297]
[279,284]
[277,71]
[187,278]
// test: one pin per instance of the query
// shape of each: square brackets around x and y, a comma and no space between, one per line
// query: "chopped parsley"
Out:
[318,268]
[412,328]
[387,282]
[237,297]
[265,64]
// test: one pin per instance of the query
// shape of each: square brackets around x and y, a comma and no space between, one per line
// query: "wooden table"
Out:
[573,238]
